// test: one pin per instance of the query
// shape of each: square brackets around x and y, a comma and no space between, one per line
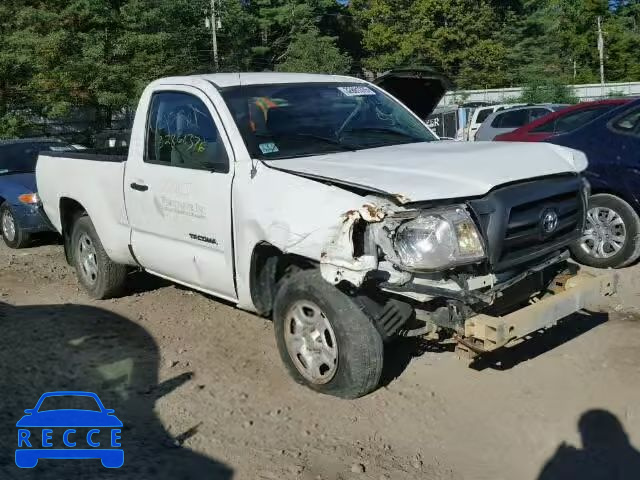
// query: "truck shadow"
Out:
[73,347]
[541,342]
[139,282]
[399,354]
[45,238]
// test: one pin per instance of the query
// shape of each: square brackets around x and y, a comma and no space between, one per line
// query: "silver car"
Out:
[504,121]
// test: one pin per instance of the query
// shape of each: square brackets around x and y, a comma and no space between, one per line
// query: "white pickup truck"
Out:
[324,202]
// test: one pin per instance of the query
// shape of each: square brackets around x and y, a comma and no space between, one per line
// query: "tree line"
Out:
[57,56]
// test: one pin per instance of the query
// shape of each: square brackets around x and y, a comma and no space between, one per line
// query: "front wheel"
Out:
[611,237]
[12,234]
[325,340]
[99,275]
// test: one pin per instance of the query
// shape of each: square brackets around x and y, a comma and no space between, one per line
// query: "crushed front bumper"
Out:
[484,333]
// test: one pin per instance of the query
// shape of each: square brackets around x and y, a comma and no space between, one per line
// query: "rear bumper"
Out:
[31,218]
[485,333]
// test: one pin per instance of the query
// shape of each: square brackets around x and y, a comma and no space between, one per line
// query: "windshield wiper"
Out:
[336,142]
[385,131]
[331,141]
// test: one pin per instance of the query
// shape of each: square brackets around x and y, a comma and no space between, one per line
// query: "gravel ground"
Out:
[202,393]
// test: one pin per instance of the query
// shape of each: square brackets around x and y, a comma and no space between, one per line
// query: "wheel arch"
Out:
[600,187]
[70,210]
[269,265]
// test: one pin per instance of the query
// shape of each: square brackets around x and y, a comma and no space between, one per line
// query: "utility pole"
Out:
[601,53]
[214,35]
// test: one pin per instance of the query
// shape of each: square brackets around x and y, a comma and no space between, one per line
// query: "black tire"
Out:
[20,238]
[109,277]
[630,250]
[360,350]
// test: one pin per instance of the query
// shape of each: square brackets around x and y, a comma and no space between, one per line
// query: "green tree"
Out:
[280,22]
[559,38]
[312,52]
[62,55]
[239,33]
[15,71]
[461,38]
[547,91]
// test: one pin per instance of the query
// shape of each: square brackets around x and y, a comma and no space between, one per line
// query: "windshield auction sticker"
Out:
[356,91]
[268,148]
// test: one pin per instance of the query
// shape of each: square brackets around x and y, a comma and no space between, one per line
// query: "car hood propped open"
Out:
[420,88]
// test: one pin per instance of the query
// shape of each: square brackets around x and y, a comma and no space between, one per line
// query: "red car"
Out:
[562,121]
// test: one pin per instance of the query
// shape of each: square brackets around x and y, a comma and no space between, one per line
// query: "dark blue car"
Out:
[612,145]
[20,210]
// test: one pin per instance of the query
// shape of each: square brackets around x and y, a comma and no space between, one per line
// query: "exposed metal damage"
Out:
[362,245]
[337,260]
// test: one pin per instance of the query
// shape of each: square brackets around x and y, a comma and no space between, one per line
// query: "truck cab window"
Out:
[181,133]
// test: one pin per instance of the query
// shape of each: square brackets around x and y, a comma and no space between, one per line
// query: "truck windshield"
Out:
[296,120]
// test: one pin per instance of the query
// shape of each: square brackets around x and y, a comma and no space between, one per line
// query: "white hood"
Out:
[439,170]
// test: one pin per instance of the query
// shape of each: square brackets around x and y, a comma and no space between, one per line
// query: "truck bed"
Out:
[88,178]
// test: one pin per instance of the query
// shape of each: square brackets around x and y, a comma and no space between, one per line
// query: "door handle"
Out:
[138,187]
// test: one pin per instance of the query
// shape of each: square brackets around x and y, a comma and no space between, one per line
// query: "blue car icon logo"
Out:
[69,433]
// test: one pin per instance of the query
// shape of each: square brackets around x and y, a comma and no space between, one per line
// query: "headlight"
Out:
[438,239]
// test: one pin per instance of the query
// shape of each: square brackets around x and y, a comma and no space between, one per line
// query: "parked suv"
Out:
[508,120]
[481,114]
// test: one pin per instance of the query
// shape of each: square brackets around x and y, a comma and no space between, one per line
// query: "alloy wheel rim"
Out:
[605,234]
[87,258]
[311,342]
[8,226]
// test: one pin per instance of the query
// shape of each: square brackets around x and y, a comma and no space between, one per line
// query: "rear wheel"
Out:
[325,340]
[611,237]
[13,235]
[99,275]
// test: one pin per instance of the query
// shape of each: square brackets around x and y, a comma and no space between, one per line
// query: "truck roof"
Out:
[223,80]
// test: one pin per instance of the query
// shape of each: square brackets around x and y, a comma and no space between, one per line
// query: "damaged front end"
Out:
[433,270]
[340,260]
[393,244]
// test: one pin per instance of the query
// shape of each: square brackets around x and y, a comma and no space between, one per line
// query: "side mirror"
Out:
[109,411]
[29,411]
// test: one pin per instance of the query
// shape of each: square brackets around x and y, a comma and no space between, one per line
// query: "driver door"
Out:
[178,193]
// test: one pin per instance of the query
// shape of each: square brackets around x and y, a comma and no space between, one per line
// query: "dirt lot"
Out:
[202,394]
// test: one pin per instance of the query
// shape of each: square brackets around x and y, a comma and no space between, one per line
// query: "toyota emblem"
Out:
[549,222]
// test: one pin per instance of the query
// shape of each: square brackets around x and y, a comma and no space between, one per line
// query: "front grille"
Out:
[513,218]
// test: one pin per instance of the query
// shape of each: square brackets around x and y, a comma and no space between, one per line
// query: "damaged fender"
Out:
[337,261]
